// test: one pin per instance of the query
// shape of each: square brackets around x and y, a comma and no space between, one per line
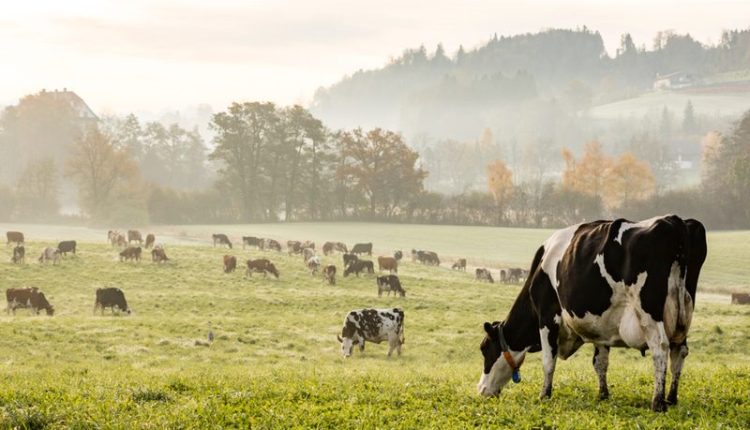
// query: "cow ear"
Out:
[489,329]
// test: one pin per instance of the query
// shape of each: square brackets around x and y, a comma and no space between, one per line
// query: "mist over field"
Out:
[210,208]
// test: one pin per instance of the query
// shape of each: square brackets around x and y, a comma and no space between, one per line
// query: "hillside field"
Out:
[275,362]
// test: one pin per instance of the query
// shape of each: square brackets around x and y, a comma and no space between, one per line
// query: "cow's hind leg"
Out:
[659,346]
[677,354]
[601,362]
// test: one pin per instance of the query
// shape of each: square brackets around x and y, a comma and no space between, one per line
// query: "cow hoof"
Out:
[658,405]
[603,395]
[672,399]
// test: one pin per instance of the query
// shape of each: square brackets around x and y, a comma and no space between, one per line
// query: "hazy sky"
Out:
[133,55]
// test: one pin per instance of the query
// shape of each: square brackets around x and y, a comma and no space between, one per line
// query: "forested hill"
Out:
[454,96]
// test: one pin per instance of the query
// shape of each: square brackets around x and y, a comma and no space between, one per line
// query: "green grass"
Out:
[275,362]
[651,104]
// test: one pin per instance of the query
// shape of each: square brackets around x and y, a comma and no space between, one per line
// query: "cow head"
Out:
[50,309]
[497,372]
[347,345]
[271,268]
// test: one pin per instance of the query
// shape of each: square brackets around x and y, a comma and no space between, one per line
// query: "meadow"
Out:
[275,361]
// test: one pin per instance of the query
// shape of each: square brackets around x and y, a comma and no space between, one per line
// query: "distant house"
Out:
[674,81]
[76,103]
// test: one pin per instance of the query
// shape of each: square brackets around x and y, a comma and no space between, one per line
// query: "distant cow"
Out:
[308,244]
[372,325]
[115,238]
[359,266]
[19,254]
[134,236]
[362,248]
[150,239]
[313,264]
[230,263]
[460,264]
[398,255]
[390,283]
[515,275]
[14,237]
[50,254]
[67,246]
[388,263]
[484,275]
[252,241]
[222,239]
[159,256]
[110,298]
[329,272]
[261,265]
[272,244]
[349,259]
[27,298]
[329,247]
[428,258]
[293,246]
[131,253]
[740,299]
[307,253]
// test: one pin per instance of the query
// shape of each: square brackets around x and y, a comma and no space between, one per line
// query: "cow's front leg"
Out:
[601,362]
[548,334]
[659,346]
[677,354]
[361,345]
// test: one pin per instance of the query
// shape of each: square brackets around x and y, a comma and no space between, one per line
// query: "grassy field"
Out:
[652,103]
[275,362]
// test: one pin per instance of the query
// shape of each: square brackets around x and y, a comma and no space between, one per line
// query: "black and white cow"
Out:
[372,325]
[610,283]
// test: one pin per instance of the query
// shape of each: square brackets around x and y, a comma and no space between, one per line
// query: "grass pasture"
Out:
[275,362]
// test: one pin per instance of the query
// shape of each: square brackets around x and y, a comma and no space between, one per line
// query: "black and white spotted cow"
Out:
[372,325]
[610,283]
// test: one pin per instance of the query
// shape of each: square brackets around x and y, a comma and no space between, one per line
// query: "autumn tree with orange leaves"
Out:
[500,184]
[617,182]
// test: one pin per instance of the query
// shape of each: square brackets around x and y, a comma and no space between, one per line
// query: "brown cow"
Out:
[329,272]
[230,263]
[261,265]
[19,254]
[293,247]
[14,237]
[272,244]
[459,265]
[158,255]
[740,299]
[131,253]
[27,298]
[328,248]
[135,236]
[150,239]
[388,263]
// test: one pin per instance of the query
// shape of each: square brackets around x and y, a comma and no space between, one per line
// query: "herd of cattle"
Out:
[609,283]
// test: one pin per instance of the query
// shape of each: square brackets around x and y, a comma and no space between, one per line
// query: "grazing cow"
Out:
[349,259]
[293,246]
[67,246]
[390,283]
[460,264]
[150,239]
[387,263]
[359,266]
[50,254]
[252,241]
[307,253]
[372,325]
[483,275]
[261,265]
[610,283]
[27,298]
[222,239]
[328,248]
[120,241]
[362,248]
[515,275]
[230,263]
[329,272]
[19,254]
[135,236]
[158,255]
[14,237]
[131,253]
[313,264]
[398,255]
[428,257]
[740,299]
[111,298]
[272,244]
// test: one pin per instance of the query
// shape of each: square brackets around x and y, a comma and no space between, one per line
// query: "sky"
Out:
[156,55]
